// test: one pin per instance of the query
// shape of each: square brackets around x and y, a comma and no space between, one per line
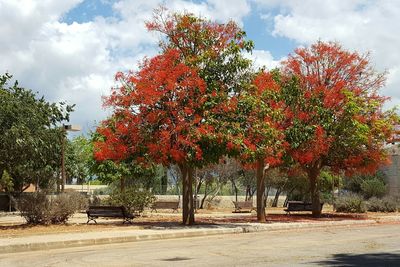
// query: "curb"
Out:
[25,247]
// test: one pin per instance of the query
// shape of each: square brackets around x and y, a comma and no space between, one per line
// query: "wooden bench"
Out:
[95,212]
[158,205]
[299,206]
[243,206]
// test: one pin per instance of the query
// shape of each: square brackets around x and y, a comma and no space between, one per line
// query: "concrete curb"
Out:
[172,234]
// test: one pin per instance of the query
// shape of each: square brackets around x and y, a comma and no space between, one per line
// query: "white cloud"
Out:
[262,58]
[77,62]
[360,25]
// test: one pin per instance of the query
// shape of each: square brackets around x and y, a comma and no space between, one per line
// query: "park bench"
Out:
[299,206]
[243,206]
[95,212]
[172,204]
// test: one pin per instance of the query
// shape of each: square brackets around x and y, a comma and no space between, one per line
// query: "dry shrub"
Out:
[38,208]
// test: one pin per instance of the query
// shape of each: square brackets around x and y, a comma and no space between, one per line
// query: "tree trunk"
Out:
[9,201]
[267,192]
[314,190]
[276,198]
[260,191]
[204,197]
[236,189]
[164,183]
[288,195]
[187,195]
[122,184]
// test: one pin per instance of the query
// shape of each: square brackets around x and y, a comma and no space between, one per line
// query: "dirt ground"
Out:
[151,220]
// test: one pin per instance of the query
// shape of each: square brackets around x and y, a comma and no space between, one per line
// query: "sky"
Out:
[70,50]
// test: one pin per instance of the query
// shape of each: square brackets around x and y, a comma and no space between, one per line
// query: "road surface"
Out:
[334,246]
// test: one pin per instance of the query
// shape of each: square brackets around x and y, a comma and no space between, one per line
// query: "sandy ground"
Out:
[14,225]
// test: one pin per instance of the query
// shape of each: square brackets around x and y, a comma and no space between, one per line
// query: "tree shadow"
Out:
[371,259]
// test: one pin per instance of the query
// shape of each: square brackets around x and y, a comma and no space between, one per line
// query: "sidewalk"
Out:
[134,234]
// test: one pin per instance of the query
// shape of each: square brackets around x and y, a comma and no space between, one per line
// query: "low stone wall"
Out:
[221,201]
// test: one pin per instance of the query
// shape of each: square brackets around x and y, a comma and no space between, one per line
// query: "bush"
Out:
[132,199]
[38,208]
[373,188]
[34,208]
[386,204]
[351,203]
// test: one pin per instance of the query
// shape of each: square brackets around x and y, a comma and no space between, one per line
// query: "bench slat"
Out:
[243,205]
[299,206]
[174,205]
[108,211]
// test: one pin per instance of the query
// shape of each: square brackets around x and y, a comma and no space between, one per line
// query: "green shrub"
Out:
[133,199]
[38,208]
[390,204]
[375,204]
[373,188]
[351,203]
[386,204]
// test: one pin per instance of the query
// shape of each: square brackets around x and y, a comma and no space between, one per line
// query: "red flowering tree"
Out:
[334,115]
[172,110]
[261,140]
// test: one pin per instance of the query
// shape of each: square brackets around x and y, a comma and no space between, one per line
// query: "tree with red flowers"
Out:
[260,138]
[334,114]
[172,110]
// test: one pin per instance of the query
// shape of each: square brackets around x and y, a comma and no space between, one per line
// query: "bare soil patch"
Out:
[173,220]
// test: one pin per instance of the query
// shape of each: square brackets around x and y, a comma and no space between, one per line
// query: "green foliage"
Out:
[351,203]
[367,185]
[108,171]
[132,198]
[6,182]
[38,208]
[79,159]
[373,188]
[327,183]
[94,182]
[386,204]
[297,188]
[30,140]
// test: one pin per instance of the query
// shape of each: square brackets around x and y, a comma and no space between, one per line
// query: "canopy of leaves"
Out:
[334,114]
[172,111]
[257,121]
[30,142]
[79,158]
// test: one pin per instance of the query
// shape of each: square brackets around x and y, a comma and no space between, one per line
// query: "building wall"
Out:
[392,172]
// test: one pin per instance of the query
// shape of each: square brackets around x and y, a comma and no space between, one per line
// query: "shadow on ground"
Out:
[165,222]
[372,259]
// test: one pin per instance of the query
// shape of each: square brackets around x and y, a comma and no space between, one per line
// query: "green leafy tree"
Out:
[367,185]
[6,183]
[79,158]
[259,133]
[172,110]
[30,140]
[334,114]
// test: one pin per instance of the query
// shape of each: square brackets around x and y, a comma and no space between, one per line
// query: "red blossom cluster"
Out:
[329,79]
[158,112]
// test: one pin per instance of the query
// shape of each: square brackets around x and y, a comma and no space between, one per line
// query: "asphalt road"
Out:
[334,246]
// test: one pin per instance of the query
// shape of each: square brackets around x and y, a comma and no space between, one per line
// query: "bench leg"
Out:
[127,220]
[91,219]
